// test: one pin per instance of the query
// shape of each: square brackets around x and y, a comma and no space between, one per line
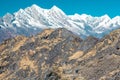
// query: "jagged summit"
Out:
[35,6]
[55,8]
[33,19]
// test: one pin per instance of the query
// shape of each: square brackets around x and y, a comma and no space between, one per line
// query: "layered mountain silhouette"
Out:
[34,19]
[59,54]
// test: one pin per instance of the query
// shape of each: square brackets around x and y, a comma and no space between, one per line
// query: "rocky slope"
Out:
[33,19]
[58,54]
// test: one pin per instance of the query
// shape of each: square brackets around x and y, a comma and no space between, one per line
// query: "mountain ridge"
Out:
[32,20]
[58,54]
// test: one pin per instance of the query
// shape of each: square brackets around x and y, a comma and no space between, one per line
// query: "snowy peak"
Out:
[35,6]
[56,8]
[8,17]
[105,16]
[33,19]
[36,16]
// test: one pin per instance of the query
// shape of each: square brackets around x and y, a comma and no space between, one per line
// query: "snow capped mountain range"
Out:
[32,20]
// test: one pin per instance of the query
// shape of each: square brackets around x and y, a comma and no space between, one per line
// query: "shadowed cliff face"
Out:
[60,55]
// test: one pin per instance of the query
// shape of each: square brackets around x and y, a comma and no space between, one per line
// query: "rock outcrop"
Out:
[58,54]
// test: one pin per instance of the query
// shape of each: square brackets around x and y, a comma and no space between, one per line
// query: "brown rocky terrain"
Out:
[58,54]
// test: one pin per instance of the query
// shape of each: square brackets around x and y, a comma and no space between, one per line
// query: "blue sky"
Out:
[91,7]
